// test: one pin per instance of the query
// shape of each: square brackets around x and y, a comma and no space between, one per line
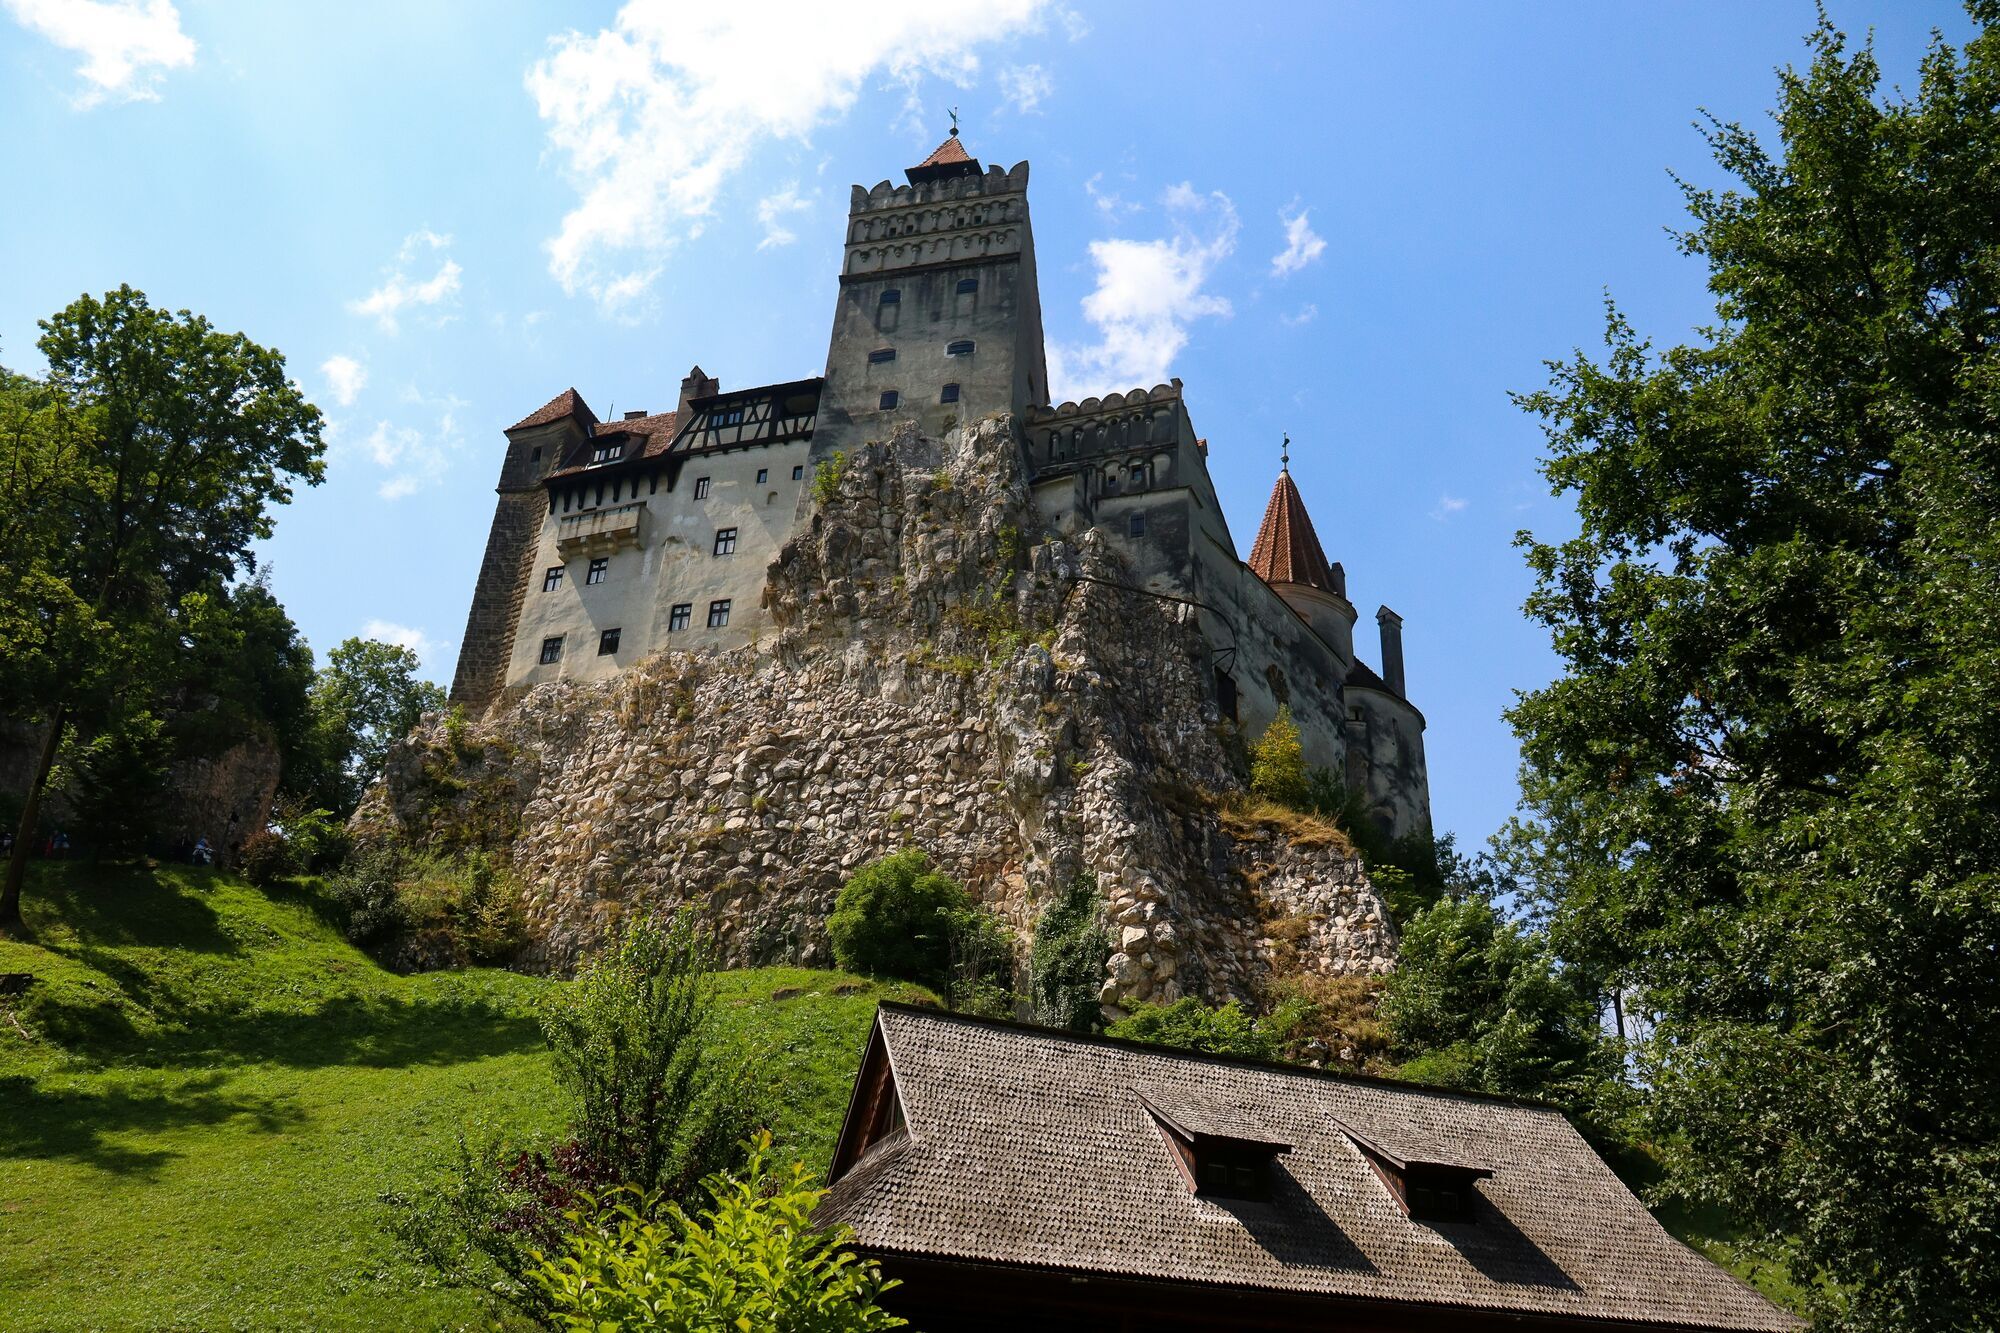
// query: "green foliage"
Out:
[1067,967]
[117,783]
[319,838]
[903,917]
[826,477]
[266,857]
[634,1050]
[1760,797]
[431,909]
[1329,1021]
[1278,763]
[1193,1024]
[1477,1001]
[367,697]
[752,1260]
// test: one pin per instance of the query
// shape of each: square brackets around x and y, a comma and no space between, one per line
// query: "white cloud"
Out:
[1147,293]
[1109,202]
[403,636]
[771,211]
[1024,86]
[345,378]
[126,44]
[1302,244]
[1447,507]
[652,117]
[416,458]
[399,291]
[1305,314]
[1075,25]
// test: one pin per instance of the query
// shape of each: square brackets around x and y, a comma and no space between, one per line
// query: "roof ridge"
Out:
[1212,1057]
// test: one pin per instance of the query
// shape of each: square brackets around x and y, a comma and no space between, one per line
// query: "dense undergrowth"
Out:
[207,1089]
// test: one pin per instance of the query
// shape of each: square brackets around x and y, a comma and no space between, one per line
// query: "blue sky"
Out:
[1360,223]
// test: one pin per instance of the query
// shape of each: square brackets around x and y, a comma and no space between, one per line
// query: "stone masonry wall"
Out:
[939,677]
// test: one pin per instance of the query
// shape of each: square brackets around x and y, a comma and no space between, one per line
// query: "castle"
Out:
[613,540]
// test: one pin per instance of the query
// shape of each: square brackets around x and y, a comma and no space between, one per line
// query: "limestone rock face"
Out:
[944,674]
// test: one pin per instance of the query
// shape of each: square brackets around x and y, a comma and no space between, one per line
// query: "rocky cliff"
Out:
[943,673]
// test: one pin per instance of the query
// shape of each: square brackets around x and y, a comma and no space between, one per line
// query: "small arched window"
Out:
[962,347]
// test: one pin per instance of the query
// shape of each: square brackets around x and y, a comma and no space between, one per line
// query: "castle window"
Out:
[961,347]
[949,395]
[891,296]
[677,619]
[763,475]
[535,455]
[725,541]
[1225,694]
[718,613]
[889,400]
[799,472]
[1136,473]
[598,568]
[607,643]
[728,416]
[552,579]
[881,355]
[701,488]
[1136,526]
[606,453]
[967,285]
[552,650]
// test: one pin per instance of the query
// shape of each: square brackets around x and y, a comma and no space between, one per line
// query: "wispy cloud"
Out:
[1447,507]
[416,457]
[1109,202]
[127,45]
[1302,244]
[1024,86]
[772,210]
[399,291]
[654,116]
[403,636]
[1147,294]
[1305,314]
[345,378]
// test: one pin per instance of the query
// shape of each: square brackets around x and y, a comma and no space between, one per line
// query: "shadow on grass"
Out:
[75,1125]
[368,1030]
[110,904]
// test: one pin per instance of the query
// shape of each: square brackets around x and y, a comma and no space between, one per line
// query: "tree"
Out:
[367,697]
[1278,763]
[147,466]
[752,1261]
[1761,796]
[1067,967]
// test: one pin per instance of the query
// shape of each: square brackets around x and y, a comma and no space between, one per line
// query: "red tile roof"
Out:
[658,430]
[1287,549]
[567,403]
[948,153]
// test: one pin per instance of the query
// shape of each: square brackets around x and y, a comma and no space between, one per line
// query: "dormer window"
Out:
[1426,1189]
[606,453]
[1217,1153]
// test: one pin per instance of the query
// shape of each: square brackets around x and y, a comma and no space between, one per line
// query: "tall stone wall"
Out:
[939,676]
[496,599]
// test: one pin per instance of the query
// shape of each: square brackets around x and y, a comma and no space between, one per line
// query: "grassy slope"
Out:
[214,1088]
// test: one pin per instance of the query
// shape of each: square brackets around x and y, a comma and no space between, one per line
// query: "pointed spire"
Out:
[947,160]
[1287,549]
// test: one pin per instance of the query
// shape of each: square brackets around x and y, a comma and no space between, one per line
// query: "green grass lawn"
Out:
[206,1091]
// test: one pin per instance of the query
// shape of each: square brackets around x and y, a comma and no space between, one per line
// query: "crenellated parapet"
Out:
[1130,427]
[987,185]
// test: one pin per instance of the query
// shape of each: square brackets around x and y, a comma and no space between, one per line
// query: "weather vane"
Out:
[954,122]
[1285,454]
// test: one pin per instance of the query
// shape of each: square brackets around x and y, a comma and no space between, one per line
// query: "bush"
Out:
[266,857]
[752,1261]
[1193,1024]
[1278,763]
[431,909]
[1067,971]
[319,839]
[826,477]
[1329,1021]
[897,917]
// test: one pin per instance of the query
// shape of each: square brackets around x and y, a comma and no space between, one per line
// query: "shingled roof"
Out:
[567,403]
[1037,1149]
[946,160]
[1287,549]
[658,428]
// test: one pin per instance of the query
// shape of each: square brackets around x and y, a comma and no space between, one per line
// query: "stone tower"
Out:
[939,318]
[535,444]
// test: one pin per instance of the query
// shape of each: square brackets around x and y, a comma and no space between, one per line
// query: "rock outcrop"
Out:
[943,673]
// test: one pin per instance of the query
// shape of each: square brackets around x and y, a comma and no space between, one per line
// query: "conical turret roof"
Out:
[1287,549]
[948,159]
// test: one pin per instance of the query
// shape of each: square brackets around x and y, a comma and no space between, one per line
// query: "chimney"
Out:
[635,414]
[1392,649]
[698,384]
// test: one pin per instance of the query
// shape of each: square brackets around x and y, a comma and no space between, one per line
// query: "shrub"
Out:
[633,1045]
[752,1261]
[1278,763]
[1067,971]
[266,857]
[431,909]
[895,918]
[1330,1021]
[319,839]
[826,477]
[1193,1024]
